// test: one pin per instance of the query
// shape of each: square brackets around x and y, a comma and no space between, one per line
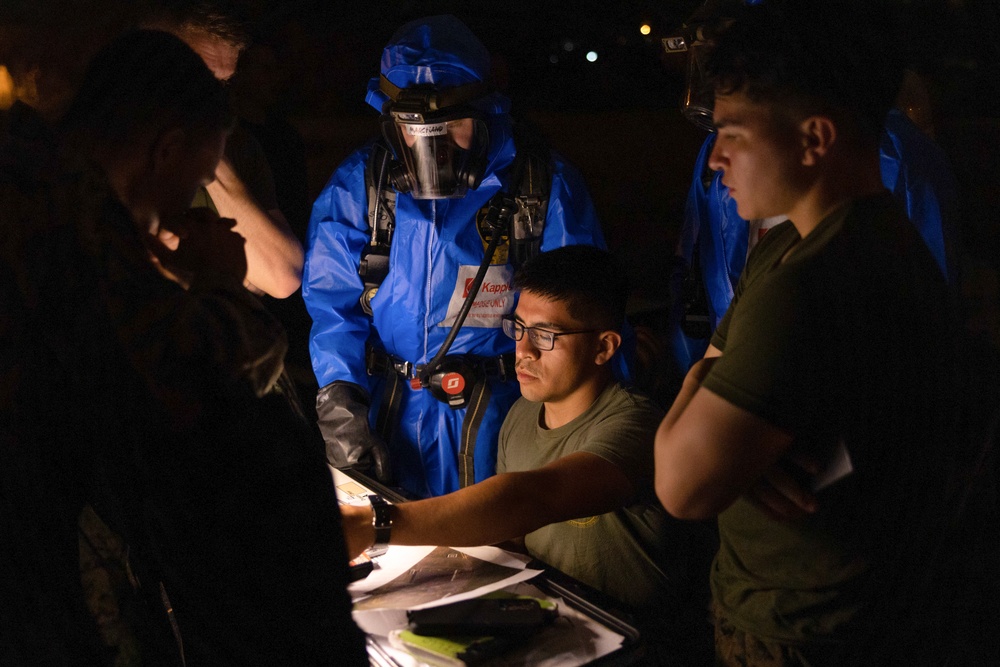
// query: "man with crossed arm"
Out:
[837,351]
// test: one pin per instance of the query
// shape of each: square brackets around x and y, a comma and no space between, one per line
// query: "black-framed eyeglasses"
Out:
[542,339]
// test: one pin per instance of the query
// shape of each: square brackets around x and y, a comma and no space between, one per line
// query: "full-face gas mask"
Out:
[440,141]
[694,39]
[697,101]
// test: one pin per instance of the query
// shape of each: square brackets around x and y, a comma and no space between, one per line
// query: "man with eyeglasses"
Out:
[574,468]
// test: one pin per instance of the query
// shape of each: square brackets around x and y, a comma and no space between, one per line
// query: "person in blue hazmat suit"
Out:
[411,250]
[715,241]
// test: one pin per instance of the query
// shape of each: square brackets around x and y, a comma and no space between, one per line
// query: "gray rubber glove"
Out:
[342,408]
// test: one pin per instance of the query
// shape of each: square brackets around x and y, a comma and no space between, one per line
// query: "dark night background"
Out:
[616,118]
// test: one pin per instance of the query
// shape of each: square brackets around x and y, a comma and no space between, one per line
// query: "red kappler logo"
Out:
[453,383]
[485,288]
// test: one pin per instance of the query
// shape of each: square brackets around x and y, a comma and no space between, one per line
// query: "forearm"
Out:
[712,454]
[274,254]
[512,504]
[501,508]
[497,509]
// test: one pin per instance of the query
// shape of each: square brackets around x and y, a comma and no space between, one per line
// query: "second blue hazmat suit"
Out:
[437,246]
[913,168]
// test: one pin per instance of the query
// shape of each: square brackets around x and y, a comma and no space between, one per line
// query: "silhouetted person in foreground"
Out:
[142,382]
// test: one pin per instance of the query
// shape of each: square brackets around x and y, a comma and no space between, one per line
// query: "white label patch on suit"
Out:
[494,300]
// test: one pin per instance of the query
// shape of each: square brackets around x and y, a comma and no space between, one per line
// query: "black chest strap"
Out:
[374,265]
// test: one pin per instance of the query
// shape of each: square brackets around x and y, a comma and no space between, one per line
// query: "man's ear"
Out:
[819,133]
[607,344]
[168,148]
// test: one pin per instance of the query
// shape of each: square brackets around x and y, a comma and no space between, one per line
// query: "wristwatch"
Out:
[381,522]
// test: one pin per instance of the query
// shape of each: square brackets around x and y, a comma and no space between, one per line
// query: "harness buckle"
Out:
[403,368]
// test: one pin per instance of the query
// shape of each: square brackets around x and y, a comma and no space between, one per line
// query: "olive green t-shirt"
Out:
[622,553]
[843,342]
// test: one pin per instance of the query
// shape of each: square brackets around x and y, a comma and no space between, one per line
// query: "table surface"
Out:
[406,577]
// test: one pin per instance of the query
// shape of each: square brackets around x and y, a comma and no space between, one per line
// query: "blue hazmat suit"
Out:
[913,168]
[435,252]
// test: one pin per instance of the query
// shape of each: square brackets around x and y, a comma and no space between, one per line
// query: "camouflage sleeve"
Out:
[191,346]
[194,347]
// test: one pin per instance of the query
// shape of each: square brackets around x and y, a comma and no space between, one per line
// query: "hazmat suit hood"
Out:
[441,51]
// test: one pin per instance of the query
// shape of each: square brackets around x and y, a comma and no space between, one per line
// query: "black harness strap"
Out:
[470,430]
[398,373]
[374,264]
[388,411]
[379,363]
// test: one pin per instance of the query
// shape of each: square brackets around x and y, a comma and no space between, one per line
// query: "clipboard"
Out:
[630,651]
[557,586]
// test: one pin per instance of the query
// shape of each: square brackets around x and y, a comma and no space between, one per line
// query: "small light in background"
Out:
[568,45]
[553,59]
[645,29]
[591,56]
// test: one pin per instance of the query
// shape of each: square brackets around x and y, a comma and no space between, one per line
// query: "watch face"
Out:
[381,521]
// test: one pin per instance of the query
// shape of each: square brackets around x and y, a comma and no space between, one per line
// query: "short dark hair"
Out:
[808,57]
[220,18]
[144,81]
[586,278]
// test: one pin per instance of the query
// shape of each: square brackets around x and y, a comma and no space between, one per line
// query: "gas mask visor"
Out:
[699,97]
[442,146]
[695,40]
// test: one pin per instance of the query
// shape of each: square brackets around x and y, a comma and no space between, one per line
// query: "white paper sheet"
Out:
[380,596]
[837,467]
[573,639]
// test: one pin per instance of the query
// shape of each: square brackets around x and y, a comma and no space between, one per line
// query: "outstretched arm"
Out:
[274,254]
[500,508]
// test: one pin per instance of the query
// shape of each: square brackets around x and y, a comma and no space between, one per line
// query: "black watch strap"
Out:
[382,522]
